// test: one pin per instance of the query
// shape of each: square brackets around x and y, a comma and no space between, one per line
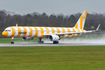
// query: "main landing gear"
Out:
[55,42]
[12,42]
[40,41]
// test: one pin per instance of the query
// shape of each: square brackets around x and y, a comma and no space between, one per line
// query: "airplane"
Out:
[53,33]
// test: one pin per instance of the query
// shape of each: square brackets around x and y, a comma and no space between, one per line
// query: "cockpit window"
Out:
[7,30]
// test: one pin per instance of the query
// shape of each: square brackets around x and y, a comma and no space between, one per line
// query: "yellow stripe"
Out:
[68,36]
[19,31]
[30,32]
[25,32]
[82,31]
[36,31]
[47,30]
[42,32]
[85,14]
[81,22]
[62,36]
[13,31]
[52,30]
[78,31]
[58,30]
[73,31]
[76,26]
[68,32]
[63,30]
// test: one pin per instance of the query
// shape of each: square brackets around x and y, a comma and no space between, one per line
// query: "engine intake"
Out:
[54,37]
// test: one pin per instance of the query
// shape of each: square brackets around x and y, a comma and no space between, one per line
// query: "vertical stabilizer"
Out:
[81,22]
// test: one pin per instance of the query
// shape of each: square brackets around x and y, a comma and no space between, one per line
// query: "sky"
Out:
[66,7]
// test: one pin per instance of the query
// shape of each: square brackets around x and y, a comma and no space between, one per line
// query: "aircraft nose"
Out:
[5,33]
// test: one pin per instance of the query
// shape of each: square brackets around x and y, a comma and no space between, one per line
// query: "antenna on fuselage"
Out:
[17,25]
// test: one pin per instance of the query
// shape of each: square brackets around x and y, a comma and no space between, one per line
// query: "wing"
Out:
[62,34]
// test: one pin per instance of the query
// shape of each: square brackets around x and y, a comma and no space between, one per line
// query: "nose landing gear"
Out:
[12,42]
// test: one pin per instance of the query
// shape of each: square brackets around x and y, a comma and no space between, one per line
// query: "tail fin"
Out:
[81,22]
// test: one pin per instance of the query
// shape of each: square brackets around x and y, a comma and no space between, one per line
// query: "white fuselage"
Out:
[40,31]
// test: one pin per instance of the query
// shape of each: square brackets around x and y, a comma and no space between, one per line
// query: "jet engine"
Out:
[54,37]
[27,38]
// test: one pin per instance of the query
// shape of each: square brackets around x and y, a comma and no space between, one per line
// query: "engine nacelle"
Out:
[54,37]
[27,38]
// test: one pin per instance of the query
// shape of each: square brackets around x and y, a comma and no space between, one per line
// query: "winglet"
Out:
[98,27]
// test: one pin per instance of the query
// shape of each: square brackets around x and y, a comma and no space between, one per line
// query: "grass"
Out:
[53,58]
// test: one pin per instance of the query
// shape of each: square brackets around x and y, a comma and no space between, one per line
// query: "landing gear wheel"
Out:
[40,41]
[12,42]
[55,42]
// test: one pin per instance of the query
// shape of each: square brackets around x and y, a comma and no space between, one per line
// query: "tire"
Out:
[40,42]
[12,42]
[55,42]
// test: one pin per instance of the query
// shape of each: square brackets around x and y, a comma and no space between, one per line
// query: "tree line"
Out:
[36,19]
